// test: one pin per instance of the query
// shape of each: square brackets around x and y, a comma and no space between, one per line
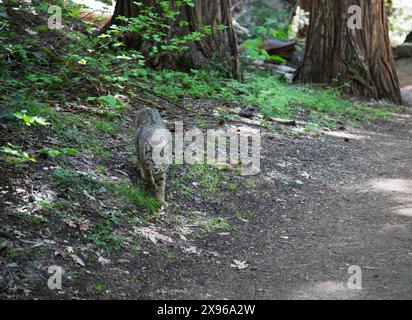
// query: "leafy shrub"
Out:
[53,153]
[154,28]
[15,155]
[30,120]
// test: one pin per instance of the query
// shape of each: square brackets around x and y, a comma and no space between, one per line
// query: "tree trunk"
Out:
[220,47]
[337,54]
[305,5]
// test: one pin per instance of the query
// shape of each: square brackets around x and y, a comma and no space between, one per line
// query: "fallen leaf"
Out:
[104,261]
[85,225]
[241,265]
[70,223]
[192,250]
[153,235]
[78,260]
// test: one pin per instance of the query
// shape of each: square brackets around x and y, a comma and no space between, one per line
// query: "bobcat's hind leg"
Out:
[160,187]
[139,163]
[149,178]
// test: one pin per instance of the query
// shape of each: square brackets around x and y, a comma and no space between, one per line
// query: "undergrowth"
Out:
[267,91]
[37,77]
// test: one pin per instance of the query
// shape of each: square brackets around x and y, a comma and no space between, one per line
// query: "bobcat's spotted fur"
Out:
[151,133]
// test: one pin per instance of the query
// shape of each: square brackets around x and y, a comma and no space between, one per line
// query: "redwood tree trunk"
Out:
[337,54]
[305,5]
[125,8]
[220,46]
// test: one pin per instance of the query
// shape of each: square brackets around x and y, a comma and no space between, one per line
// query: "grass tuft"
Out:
[141,199]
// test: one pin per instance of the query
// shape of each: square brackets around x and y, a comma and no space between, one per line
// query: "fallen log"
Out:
[256,121]
[280,48]
[288,122]
[284,70]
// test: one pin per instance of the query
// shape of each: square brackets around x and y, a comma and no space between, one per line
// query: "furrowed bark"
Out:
[220,47]
[336,54]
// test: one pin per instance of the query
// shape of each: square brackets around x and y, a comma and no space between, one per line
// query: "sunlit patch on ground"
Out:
[407,212]
[328,290]
[401,116]
[394,227]
[392,185]
[400,191]
[346,135]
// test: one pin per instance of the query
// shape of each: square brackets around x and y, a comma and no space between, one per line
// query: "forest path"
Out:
[319,206]
[353,208]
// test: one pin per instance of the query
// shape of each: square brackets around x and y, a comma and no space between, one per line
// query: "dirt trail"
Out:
[355,209]
[319,206]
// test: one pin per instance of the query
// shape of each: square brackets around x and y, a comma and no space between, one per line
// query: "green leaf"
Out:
[70,151]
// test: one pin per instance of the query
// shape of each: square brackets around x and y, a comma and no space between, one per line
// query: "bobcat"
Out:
[151,140]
